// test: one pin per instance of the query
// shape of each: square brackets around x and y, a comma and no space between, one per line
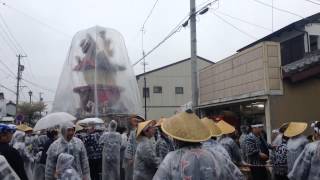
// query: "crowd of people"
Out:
[177,148]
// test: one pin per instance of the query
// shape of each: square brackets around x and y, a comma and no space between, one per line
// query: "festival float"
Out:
[97,79]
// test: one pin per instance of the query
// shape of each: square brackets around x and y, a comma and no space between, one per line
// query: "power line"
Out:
[8,43]
[244,21]
[35,19]
[279,9]
[172,32]
[313,2]
[235,27]
[10,90]
[150,13]
[7,67]
[13,39]
[38,86]
[176,29]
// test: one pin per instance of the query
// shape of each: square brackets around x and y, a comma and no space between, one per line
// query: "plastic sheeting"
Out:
[6,172]
[111,141]
[307,165]
[97,78]
[197,164]
[295,146]
[64,167]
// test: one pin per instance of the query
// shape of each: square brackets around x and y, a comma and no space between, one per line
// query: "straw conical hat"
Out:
[225,127]
[295,128]
[186,127]
[142,125]
[24,128]
[214,129]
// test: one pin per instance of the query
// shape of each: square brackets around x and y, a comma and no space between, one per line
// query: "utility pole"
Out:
[194,68]
[19,74]
[145,87]
[144,74]
[40,100]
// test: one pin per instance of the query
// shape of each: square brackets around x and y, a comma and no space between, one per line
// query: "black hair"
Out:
[52,133]
[181,144]
[317,124]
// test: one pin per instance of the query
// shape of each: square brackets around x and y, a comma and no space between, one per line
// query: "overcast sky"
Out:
[44,29]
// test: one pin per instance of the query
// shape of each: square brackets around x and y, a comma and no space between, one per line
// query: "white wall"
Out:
[166,103]
[314,29]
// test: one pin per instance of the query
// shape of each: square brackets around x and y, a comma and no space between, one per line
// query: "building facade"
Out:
[275,79]
[168,87]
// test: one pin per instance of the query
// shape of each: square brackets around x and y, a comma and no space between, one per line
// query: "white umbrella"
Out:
[52,120]
[87,121]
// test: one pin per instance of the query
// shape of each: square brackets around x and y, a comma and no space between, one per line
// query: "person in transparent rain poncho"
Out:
[164,144]
[212,144]
[131,148]
[111,141]
[145,161]
[189,160]
[18,142]
[296,143]
[64,169]
[67,143]
[42,145]
[307,166]
[6,172]
[227,141]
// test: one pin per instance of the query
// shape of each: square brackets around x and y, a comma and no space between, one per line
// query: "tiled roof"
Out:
[308,61]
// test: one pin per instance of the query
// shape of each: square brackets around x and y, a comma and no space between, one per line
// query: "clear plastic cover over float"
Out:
[97,79]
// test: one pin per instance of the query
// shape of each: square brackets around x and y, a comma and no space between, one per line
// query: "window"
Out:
[292,50]
[146,92]
[157,89]
[313,43]
[179,90]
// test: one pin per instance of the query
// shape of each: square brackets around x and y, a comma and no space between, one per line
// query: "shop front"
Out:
[239,88]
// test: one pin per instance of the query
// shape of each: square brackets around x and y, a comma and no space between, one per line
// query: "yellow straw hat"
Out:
[159,122]
[186,127]
[142,125]
[295,128]
[24,128]
[225,127]
[214,129]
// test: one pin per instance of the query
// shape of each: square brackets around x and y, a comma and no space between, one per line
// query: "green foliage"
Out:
[31,112]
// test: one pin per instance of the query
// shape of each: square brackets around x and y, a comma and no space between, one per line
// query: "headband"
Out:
[257,125]
[316,129]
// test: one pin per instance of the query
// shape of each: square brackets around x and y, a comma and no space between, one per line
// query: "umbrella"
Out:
[87,121]
[52,120]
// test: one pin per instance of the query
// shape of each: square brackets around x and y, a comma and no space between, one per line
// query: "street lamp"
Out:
[30,94]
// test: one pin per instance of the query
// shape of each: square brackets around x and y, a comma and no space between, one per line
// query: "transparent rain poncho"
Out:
[307,166]
[64,168]
[74,147]
[18,142]
[6,172]
[111,141]
[295,146]
[214,146]
[197,164]
[146,161]
[97,78]
[232,148]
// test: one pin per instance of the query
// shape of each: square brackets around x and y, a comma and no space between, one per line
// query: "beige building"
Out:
[275,79]
[168,87]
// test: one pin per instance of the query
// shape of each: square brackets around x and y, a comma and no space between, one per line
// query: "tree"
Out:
[31,112]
